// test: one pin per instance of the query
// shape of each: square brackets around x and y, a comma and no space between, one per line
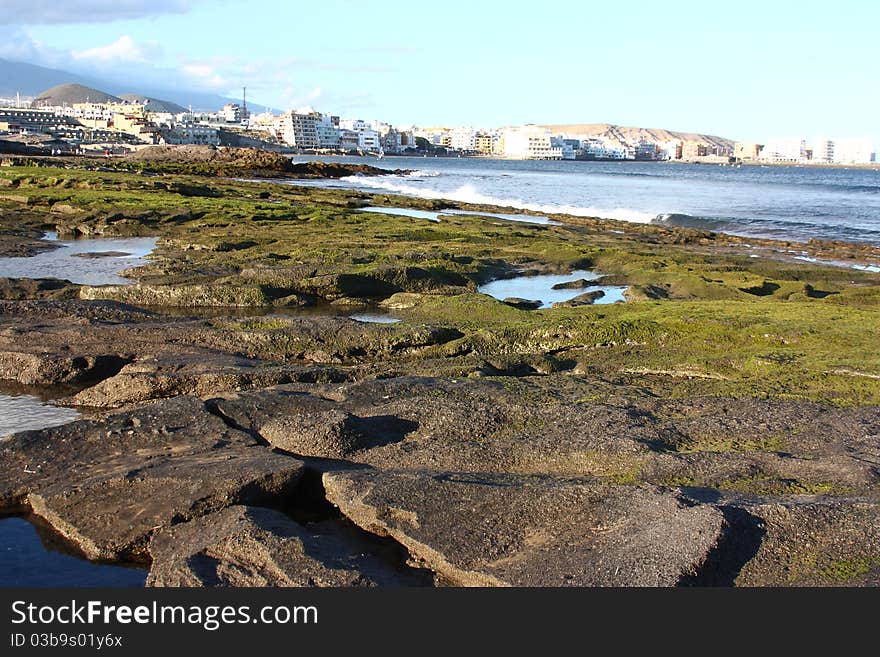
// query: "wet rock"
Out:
[249,546]
[523,304]
[586,299]
[382,282]
[503,530]
[94,255]
[15,289]
[579,284]
[181,295]
[37,314]
[402,301]
[107,486]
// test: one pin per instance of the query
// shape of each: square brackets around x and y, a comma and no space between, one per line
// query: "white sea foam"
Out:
[470,194]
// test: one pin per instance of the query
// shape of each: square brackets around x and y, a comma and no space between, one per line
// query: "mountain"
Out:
[68,94]
[631,136]
[30,81]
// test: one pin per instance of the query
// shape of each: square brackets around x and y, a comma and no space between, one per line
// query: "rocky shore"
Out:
[720,428]
[205,161]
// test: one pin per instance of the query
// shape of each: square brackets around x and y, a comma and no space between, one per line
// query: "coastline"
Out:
[708,161]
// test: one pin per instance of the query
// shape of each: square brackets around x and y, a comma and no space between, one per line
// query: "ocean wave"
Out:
[470,194]
[690,221]
[422,173]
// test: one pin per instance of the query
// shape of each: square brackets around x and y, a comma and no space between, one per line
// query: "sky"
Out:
[746,70]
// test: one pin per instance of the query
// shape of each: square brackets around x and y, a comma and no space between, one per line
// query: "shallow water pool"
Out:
[91,261]
[541,288]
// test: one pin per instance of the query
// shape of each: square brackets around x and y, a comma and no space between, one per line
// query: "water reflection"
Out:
[92,261]
[28,412]
[405,212]
[541,288]
[33,557]
[520,218]
[374,318]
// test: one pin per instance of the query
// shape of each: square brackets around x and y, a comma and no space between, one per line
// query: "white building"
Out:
[298,130]
[349,140]
[328,136]
[356,125]
[369,141]
[784,150]
[853,151]
[823,150]
[529,143]
[191,133]
[463,139]
[231,113]
[569,147]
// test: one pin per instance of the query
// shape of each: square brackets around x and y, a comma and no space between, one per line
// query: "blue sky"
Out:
[747,70]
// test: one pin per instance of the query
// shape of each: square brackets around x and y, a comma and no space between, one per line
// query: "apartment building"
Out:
[191,133]
[232,113]
[462,139]
[784,150]
[398,141]
[853,151]
[529,143]
[485,143]
[32,120]
[299,130]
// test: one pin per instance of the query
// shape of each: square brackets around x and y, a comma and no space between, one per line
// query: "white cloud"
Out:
[16,44]
[44,12]
[124,49]
[282,82]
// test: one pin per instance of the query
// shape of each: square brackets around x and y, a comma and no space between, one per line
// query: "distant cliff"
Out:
[631,136]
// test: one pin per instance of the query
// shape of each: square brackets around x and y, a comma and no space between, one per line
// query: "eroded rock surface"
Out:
[250,546]
[106,486]
[497,530]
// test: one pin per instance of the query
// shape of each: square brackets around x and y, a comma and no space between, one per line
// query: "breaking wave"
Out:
[470,194]
[689,221]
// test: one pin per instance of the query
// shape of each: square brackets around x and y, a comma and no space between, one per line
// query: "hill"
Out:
[68,94]
[631,136]
[154,104]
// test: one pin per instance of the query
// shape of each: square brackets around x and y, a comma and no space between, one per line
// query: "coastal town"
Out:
[75,119]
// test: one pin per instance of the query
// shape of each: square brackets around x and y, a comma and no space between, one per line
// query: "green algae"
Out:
[704,318]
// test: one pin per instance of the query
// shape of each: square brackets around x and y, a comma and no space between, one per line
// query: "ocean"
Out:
[785,203]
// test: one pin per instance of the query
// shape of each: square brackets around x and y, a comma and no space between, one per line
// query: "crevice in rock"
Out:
[740,539]
[310,503]
[213,407]
[311,507]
